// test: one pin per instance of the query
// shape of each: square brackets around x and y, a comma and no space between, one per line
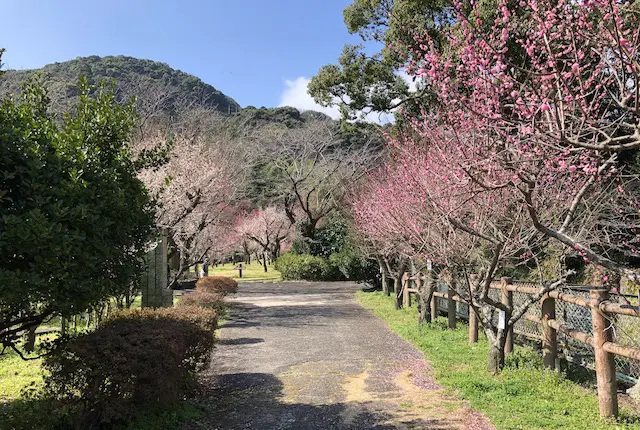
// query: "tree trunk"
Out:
[397,283]
[385,281]
[496,352]
[425,294]
[30,339]
[264,262]
[396,292]
[308,229]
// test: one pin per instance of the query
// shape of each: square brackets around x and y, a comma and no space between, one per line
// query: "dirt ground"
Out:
[305,356]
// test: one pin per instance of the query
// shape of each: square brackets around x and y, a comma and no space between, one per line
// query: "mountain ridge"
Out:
[131,76]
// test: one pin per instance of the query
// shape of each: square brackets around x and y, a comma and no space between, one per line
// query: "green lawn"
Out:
[523,396]
[250,272]
[16,374]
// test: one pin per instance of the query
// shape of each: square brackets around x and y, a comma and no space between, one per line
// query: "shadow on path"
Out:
[240,341]
[256,401]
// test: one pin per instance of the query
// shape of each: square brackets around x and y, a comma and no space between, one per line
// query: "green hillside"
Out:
[153,83]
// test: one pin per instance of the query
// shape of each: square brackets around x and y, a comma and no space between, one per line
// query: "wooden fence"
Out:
[588,316]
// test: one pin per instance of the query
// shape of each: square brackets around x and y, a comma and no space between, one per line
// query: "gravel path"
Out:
[306,356]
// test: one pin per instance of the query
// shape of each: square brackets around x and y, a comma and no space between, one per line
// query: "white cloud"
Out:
[408,79]
[295,95]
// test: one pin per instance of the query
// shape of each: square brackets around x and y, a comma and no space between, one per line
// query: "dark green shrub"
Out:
[217,285]
[353,266]
[136,359]
[343,265]
[330,238]
[306,267]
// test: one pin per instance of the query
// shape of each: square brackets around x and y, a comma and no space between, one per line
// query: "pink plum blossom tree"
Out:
[268,228]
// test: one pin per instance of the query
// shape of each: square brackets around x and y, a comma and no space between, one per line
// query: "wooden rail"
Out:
[601,340]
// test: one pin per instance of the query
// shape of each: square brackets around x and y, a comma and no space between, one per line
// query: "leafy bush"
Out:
[143,358]
[354,266]
[206,300]
[306,267]
[331,237]
[340,266]
[65,186]
[217,285]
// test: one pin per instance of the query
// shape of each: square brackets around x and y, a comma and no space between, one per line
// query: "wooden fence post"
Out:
[423,285]
[451,305]
[507,299]
[473,318]
[605,362]
[411,283]
[549,334]
[473,326]
[434,305]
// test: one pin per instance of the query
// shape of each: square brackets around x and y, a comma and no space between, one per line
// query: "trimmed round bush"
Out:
[207,319]
[135,359]
[205,300]
[217,284]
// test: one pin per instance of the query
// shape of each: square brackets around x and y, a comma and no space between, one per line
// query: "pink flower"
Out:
[572,168]
[544,107]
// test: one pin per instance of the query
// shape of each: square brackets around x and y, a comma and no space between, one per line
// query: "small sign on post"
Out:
[502,320]
[239,269]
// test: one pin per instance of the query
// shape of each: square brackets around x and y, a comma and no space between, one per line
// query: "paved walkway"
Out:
[306,356]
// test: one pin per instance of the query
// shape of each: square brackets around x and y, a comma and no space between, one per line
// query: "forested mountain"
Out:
[150,81]
[157,86]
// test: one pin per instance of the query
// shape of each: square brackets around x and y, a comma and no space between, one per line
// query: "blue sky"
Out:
[260,52]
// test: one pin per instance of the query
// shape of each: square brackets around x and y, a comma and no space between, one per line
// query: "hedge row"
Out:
[338,267]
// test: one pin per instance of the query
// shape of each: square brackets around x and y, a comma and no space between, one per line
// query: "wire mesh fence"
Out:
[626,329]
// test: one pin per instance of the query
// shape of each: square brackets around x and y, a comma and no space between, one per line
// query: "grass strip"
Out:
[523,396]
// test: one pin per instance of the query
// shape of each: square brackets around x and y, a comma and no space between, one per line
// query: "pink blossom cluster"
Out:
[533,115]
